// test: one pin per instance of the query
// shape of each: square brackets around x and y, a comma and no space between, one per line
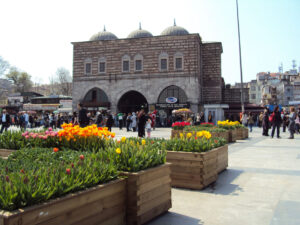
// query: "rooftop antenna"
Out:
[104,29]
[174,22]
[294,64]
[280,68]
[140,27]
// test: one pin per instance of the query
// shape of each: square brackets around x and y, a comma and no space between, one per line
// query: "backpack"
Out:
[271,117]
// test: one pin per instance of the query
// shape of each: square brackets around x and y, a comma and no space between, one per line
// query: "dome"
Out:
[103,36]
[140,33]
[175,31]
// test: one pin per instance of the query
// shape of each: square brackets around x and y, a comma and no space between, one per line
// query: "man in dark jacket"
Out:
[265,123]
[82,116]
[276,121]
[5,121]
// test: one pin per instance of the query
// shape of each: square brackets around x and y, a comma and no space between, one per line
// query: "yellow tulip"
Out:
[118,151]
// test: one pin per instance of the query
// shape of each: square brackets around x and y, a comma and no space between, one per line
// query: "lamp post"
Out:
[241,69]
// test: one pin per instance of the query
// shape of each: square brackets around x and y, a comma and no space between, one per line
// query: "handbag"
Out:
[271,117]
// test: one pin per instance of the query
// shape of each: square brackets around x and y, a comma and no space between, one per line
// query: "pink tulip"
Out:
[26,136]
[50,129]
[47,132]
[23,134]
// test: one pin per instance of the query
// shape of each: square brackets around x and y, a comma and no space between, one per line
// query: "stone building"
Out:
[173,70]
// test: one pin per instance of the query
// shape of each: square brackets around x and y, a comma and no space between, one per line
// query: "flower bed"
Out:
[231,127]
[195,161]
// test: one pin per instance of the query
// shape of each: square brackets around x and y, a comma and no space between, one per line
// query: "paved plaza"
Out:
[260,187]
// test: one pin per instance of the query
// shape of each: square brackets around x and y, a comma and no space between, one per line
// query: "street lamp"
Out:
[241,69]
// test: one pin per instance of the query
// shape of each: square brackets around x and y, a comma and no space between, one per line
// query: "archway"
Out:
[96,98]
[132,101]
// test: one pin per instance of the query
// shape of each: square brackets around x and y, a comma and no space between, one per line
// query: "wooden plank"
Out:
[6,152]
[43,212]
[186,169]
[158,210]
[189,185]
[164,197]
[187,163]
[184,156]
[154,184]
[186,176]
[148,196]
[210,180]
[154,174]
[97,207]
[115,220]
[101,218]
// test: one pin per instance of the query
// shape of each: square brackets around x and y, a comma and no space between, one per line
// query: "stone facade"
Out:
[200,76]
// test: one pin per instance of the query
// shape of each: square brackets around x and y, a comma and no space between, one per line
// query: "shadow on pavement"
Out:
[171,218]
[224,186]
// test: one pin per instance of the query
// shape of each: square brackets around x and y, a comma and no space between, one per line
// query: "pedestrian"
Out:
[74,119]
[250,121]
[276,121]
[210,117]
[120,119]
[82,117]
[292,124]
[109,121]
[5,121]
[260,119]
[128,122]
[244,119]
[141,123]
[26,120]
[148,127]
[285,121]
[265,123]
[133,123]
[99,119]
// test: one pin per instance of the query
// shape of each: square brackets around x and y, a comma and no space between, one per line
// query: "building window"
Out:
[163,64]
[138,62]
[178,61]
[163,61]
[125,63]
[253,96]
[288,98]
[88,66]
[253,88]
[102,65]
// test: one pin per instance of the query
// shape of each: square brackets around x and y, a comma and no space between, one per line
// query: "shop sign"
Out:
[171,100]
[172,105]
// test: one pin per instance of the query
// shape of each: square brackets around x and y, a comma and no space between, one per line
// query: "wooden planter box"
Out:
[232,135]
[222,158]
[148,194]
[101,205]
[245,133]
[224,135]
[4,153]
[239,133]
[196,170]
[176,133]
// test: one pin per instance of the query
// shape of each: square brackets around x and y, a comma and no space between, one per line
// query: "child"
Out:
[148,127]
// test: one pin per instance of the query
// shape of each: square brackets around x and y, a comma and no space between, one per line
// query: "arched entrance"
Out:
[132,101]
[172,97]
[96,98]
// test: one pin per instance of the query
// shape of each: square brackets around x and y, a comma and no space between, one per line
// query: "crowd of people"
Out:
[274,121]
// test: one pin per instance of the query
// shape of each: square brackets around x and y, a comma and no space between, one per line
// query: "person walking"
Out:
[5,121]
[265,123]
[148,127]
[141,123]
[285,121]
[292,124]
[276,121]
[128,122]
[260,119]
[26,120]
[250,121]
[133,123]
[120,119]
[82,116]
[109,121]
[210,117]
[244,119]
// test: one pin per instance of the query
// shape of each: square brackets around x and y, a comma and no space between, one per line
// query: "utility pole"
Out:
[241,69]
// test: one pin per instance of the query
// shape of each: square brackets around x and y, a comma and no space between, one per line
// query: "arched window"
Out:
[178,61]
[96,98]
[102,65]
[88,66]
[138,62]
[172,91]
[126,63]
[163,61]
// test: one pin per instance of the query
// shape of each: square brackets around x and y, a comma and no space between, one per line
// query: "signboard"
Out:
[40,106]
[171,100]
[172,105]
[65,103]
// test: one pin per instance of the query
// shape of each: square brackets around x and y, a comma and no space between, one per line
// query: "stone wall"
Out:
[233,95]
[211,70]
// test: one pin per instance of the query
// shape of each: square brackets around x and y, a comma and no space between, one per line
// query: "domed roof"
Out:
[103,36]
[175,30]
[140,33]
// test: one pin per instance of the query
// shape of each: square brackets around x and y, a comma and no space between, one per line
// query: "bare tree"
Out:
[4,66]
[21,80]
[64,81]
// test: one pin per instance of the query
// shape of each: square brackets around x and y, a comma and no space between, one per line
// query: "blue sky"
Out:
[36,35]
